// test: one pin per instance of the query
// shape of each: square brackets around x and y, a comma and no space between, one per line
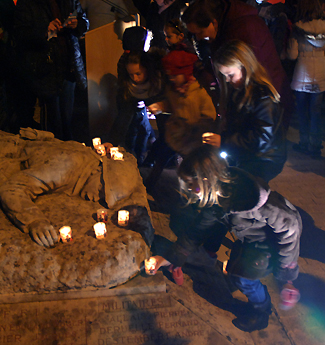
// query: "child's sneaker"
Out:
[177,274]
[289,297]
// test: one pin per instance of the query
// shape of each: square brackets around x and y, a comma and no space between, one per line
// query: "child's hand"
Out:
[211,139]
[156,108]
[153,264]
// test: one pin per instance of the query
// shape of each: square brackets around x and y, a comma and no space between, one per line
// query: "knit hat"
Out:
[179,62]
[134,38]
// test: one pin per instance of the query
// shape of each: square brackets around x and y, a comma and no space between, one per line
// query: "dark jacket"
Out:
[254,137]
[46,63]
[254,214]
[241,22]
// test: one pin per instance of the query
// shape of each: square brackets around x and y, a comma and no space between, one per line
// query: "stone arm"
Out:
[62,172]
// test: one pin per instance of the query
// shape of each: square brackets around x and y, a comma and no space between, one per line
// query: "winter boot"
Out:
[256,317]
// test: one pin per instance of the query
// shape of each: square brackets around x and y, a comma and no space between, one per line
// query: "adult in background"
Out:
[307,45]
[224,20]
[47,33]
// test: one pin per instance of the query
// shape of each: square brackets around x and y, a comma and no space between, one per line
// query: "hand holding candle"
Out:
[211,139]
[154,263]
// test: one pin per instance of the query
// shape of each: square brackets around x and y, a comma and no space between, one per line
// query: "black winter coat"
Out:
[46,63]
[254,214]
[254,137]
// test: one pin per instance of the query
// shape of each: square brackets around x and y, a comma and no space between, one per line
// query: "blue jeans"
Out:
[309,115]
[254,290]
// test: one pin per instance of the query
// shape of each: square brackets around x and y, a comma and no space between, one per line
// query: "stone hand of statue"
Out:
[211,139]
[43,233]
[153,264]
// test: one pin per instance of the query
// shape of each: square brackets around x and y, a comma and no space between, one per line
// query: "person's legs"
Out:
[259,309]
[66,108]
[52,121]
[315,112]
[302,99]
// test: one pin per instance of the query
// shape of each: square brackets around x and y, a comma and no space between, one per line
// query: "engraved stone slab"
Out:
[149,319]
[146,319]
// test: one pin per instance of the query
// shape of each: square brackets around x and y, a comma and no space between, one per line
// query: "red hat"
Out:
[179,62]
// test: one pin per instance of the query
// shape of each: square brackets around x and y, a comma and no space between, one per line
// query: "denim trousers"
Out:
[254,290]
[309,115]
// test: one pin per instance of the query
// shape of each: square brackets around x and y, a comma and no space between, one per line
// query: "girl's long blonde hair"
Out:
[237,53]
[211,172]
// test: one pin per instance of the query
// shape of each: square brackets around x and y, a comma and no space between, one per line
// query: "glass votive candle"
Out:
[102,215]
[113,151]
[96,142]
[206,135]
[118,156]
[101,150]
[123,218]
[150,265]
[100,230]
[65,234]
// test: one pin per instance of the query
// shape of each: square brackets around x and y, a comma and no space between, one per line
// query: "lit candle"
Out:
[102,215]
[101,150]
[65,234]
[150,265]
[206,135]
[113,151]
[100,230]
[123,217]
[96,142]
[118,156]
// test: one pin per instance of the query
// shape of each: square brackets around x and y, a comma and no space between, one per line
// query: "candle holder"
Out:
[101,150]
[96,142]
[66,234]
[118,156]
[150,265]
[102,215]
[100,230]
[113,151]
[123,217]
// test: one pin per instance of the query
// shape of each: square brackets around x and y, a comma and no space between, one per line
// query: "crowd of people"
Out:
[212,73]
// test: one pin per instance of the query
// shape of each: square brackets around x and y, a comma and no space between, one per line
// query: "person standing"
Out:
[307,45]
[47,33]
[218,21]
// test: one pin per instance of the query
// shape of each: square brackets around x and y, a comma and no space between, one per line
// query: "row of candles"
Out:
[100,227]
[101,150]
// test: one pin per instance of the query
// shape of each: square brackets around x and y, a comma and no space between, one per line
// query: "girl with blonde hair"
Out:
[267,226]
[252,132]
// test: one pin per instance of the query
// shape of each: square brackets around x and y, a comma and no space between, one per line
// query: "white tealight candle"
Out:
[100,230]
[113,151]
[150,265]
[118,156]
[101,150]
[96,142]
[65,234]
[123,217]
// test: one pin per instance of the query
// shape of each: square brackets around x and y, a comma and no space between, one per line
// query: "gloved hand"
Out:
[43,233]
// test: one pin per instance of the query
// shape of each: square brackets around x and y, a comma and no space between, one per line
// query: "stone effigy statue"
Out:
[34,165]
[52,165]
